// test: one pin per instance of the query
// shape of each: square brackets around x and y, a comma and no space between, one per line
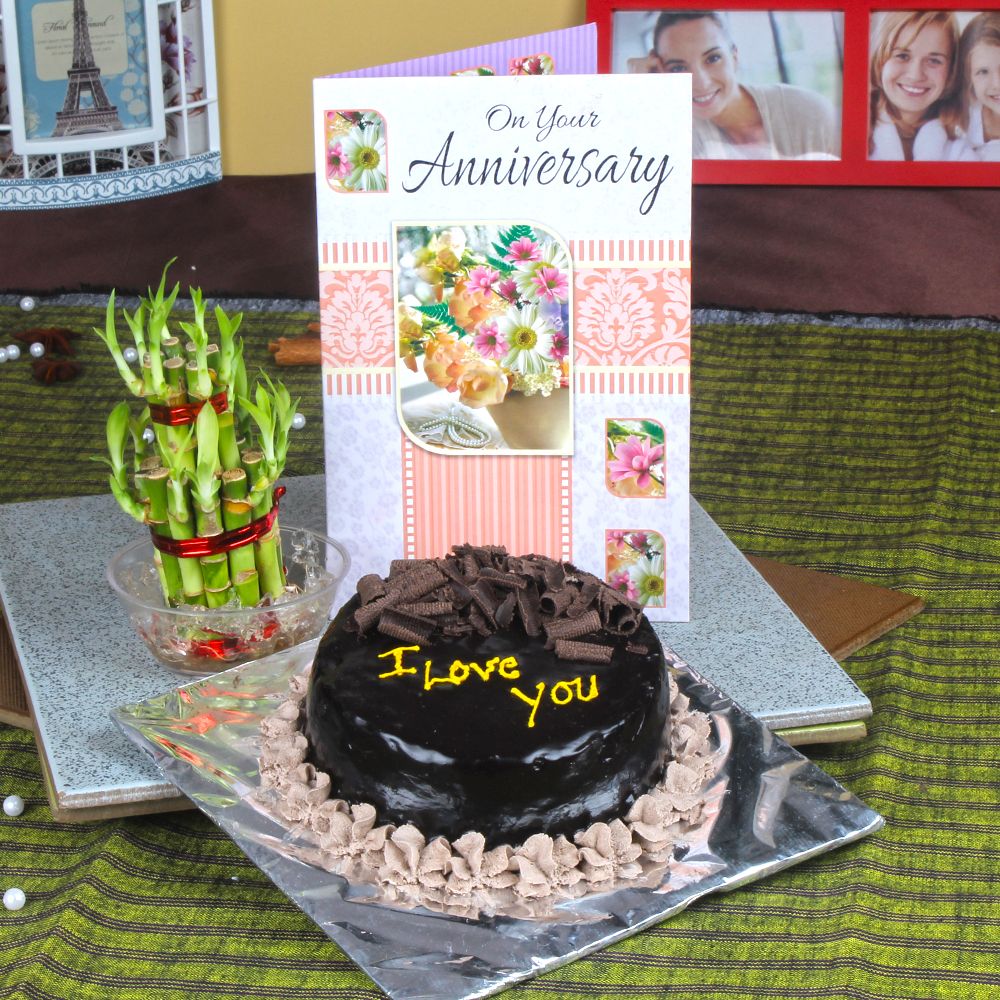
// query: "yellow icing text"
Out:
[397,654]
[561,693]
[459,672]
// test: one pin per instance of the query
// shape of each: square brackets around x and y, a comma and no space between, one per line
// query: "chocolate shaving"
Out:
[370,587]
[406,628]
[417,582]
[585,652]
[505,612]
[428,609]
[506,580]
[555,602]
[585,598]
[527,606]
[573,628]
[368,614]
[636,648]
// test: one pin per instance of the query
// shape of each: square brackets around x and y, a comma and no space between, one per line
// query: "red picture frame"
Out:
[854,167]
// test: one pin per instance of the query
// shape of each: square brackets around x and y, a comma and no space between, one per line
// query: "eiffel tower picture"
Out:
[86,108]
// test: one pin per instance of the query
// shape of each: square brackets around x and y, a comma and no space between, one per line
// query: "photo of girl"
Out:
[977,117]
[913,80]
[734,118]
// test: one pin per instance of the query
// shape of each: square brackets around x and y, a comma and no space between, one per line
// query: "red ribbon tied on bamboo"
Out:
[195,548]
[186,413]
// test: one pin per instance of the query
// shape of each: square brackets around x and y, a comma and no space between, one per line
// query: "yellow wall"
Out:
[269,52]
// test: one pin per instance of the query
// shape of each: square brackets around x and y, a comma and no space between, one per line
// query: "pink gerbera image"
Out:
[489,342]
[481,279]
[550,284]
[523,251]
[338,165]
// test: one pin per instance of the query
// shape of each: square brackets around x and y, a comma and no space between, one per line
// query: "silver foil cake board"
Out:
[79,656]
[766,808]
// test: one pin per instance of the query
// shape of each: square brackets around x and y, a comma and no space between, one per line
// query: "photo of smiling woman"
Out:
[746,101]
[913,79]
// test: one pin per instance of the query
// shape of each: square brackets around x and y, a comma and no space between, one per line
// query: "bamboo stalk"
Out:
[205,484]
[152,486]
[236,513]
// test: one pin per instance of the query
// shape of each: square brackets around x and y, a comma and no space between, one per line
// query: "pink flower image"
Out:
[634,458]
[639,540]
[550,284]
[338,165]
[508,289]
[481,280]
[490,342]
[615,538]
[623,582]
[523,251]
[560,346]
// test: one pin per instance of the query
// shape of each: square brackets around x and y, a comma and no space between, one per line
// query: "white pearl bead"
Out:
[36,350]
[130,354]
[3,355]
[14,899]
[148,435]
[13,805]
[13,352]
[27,303]
[298,421]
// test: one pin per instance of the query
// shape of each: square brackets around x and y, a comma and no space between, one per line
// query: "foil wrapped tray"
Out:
[772,808]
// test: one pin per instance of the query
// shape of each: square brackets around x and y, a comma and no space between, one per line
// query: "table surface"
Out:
[864,449]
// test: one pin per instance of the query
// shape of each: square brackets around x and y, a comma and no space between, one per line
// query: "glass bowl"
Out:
[199,641]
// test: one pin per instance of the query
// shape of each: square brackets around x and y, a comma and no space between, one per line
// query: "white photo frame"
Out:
[39,39]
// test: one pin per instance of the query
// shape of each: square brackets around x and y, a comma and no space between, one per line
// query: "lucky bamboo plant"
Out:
[204,456]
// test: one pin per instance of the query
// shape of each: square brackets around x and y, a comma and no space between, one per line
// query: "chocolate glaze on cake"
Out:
[491,693]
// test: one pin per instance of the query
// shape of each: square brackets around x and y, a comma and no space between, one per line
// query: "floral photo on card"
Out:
[355,151]
[537,65]
[635,565]
[634,465]
[483,329]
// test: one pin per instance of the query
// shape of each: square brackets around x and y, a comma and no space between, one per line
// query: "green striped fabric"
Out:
[869,451]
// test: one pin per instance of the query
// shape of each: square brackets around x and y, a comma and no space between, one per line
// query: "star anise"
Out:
[49,370]
[52,338]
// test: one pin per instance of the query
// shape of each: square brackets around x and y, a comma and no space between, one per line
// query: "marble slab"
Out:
[80,658]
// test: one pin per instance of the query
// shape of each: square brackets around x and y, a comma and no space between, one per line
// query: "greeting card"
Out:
[504,280]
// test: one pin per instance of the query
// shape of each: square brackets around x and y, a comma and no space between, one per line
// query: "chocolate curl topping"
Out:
[585,652]
[481,588]
[573,628]
[636,648]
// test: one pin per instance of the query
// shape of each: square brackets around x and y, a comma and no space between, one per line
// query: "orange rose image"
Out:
[470,308]
[482,385]
[443,361]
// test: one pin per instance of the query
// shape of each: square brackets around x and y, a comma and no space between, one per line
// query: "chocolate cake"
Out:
[506,695]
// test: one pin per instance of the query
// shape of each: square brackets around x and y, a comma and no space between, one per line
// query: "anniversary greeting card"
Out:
[504,281]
